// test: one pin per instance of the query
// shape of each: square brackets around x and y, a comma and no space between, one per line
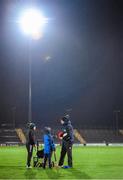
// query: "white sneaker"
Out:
[28,167]
[61,166]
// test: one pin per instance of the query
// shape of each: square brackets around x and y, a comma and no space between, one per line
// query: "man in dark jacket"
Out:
[30,142]
[67,141]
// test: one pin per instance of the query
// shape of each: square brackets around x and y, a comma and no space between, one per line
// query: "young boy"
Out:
[49,147]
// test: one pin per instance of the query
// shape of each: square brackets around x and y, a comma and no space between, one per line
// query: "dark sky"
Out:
[84,40]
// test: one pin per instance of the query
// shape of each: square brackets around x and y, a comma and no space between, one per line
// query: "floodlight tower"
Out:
[31,22]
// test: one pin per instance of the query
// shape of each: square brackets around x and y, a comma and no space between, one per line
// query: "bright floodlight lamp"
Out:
[32,22]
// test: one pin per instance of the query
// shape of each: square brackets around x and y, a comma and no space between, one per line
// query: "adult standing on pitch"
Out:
[30,142]
[67,141]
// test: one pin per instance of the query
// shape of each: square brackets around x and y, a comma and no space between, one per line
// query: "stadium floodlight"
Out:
[32,21]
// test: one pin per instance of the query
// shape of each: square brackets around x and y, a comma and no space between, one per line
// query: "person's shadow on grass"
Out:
[30,174]
[71,174]
[78,174]
[53,173]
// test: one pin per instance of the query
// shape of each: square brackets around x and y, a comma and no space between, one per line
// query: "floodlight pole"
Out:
[26,21]
[30,81]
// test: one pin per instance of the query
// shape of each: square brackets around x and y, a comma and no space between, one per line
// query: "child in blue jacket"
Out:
[49,147]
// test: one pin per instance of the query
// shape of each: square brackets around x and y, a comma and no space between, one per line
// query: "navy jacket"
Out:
[67,130]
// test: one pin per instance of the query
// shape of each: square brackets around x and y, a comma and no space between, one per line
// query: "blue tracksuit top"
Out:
[49,145]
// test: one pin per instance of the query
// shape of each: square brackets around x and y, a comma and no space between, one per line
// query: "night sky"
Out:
[76,65]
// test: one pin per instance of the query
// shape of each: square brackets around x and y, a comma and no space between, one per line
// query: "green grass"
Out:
[89,163]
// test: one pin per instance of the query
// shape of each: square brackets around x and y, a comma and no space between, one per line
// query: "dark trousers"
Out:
[66,148]
[29,151]
[47,157]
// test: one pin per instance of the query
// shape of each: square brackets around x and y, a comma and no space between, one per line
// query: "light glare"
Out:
[32,22]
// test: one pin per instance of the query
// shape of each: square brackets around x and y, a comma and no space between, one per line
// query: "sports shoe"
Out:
[28,167]
[60,166]
[67,167]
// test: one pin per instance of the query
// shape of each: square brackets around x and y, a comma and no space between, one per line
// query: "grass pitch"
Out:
[89,163]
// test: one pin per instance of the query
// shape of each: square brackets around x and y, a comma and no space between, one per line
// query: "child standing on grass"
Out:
[49,147]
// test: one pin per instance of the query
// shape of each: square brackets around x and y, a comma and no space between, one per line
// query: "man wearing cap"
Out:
[67,141]
[30,142]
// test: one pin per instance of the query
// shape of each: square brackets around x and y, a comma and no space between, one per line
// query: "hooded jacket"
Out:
[49,145]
